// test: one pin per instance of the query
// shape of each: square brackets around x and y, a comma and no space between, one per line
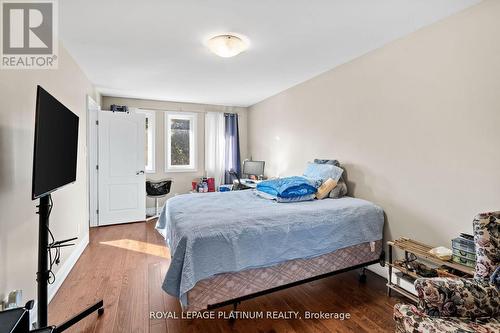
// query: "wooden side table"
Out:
[420,250]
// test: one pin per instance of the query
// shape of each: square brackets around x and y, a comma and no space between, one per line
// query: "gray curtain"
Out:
[232,153]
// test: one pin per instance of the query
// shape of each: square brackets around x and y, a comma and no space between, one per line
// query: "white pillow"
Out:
[323,171]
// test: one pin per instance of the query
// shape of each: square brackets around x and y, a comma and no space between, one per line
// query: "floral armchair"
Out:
[460,305]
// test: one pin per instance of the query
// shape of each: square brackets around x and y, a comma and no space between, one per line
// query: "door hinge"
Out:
[97,211]
[97,167]
[97,122]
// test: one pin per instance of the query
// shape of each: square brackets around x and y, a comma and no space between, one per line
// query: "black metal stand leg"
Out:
[362,275]
[42,276]
[85,313]
[382,258]
[389,278]
[235,306]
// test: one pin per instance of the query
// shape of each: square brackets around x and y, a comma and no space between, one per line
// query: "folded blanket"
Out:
[267,196]
[288,187]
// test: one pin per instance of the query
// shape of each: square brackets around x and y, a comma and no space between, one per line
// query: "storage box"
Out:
[465,254]
[464,261]
[463,244]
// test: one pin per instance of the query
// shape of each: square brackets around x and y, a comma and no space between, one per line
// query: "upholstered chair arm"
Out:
[487,240]
[464,298]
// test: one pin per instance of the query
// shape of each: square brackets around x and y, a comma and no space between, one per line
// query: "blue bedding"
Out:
[288,187]
[212,233]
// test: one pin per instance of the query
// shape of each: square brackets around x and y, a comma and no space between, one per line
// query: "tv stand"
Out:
[43,274]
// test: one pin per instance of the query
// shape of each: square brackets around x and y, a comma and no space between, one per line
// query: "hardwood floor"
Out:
[125,265]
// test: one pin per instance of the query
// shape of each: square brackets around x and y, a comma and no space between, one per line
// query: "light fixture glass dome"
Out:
[227,45]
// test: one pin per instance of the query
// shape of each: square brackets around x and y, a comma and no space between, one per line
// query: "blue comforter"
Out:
[211,233]
[288,187]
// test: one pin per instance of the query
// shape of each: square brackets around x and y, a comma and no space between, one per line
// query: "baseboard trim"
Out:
[379,270]
[150,211]
[62,273]
[384,272]
[67,266]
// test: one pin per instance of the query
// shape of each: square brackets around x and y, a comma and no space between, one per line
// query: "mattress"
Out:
[228,286]
[213,233]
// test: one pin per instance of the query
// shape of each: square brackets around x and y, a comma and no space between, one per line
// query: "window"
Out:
[150,133]
[180,137]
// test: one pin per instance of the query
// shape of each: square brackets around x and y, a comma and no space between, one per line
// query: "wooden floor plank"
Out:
[125,266]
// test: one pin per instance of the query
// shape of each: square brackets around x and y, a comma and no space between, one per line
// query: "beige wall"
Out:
[182,180]
[19,223]
[416,123]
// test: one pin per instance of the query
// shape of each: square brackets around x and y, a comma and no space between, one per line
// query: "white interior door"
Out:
[122,190]
[93,110]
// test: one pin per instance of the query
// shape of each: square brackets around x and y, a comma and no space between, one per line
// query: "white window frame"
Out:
[193,137]
[151,116]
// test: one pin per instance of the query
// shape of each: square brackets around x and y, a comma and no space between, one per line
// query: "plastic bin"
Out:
[463,244]
[465,254]
[464,261]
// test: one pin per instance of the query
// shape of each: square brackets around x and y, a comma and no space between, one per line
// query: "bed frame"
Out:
[233,288]
[362,278]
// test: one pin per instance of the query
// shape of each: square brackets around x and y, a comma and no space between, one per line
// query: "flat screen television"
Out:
[56,145]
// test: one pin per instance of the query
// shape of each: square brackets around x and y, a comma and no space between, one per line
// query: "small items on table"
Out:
[464,250]
[419,262]
[204,185]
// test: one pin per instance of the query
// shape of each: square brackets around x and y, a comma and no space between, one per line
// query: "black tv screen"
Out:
[56,144]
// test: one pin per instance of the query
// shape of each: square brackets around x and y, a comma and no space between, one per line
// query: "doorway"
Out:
[116,168]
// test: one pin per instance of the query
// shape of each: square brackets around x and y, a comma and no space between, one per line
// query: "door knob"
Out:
[139,172]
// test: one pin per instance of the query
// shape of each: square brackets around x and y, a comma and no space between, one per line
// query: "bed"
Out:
[231,246]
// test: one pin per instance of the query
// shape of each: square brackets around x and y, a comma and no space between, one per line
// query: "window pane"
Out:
[179,141]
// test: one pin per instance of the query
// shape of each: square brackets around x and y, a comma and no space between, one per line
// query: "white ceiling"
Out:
[155,49]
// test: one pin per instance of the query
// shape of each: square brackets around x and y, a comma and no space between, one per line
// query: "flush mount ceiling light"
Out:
[227,46]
